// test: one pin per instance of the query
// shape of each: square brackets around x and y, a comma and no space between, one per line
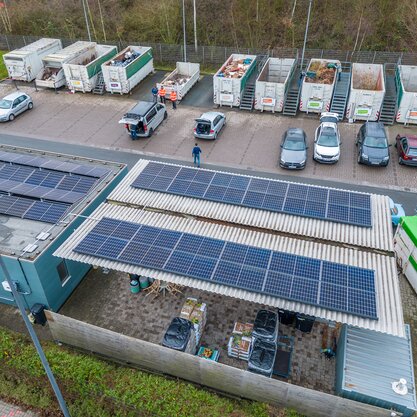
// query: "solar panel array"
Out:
[26,208]
[285,197]
[312,281]
[53,164]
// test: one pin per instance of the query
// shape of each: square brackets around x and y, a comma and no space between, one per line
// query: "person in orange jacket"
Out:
[173,98]
[162,93]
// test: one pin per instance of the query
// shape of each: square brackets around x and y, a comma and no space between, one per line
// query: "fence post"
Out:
[24,40]
[373,59]
[203,61]
[225,56]
[160,53]
[7,41]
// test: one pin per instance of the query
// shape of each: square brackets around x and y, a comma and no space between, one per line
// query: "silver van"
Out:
[142,120]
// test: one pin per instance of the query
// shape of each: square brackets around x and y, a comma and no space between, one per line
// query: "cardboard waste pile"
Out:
[240,343]
[196,313]
[235,68]
[319,73]
[177,79]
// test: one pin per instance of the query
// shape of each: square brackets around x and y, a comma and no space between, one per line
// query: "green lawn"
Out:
[3,70]
[93,387]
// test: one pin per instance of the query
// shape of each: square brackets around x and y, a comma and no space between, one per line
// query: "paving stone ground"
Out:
[7,410]
[106,301]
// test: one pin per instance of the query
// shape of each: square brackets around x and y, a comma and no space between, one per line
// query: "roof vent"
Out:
[30,248]
[43,236]
[400,387]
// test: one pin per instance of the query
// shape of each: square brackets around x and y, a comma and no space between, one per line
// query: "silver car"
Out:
[293,149]
[14,104]
[209,124]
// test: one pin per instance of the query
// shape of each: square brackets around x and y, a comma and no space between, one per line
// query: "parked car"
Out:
[397,211]
[372,142]
[293,149]
[327,139]
[142,120]
[209,124]
[407,149]
[14,104]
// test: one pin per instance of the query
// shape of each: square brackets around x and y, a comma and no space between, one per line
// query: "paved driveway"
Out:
[250,140]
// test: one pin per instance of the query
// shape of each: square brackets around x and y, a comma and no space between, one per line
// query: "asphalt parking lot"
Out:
[250,140]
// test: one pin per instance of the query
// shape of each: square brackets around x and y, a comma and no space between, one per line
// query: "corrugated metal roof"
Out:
[374,360]
[388,293]
[378,237]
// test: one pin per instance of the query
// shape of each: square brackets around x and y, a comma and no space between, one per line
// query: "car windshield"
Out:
[375,142]
[5,104]
[294,144]
[328,138]
[412,151]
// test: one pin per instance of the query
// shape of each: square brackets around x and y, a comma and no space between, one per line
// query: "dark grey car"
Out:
[372,142]
[293,149]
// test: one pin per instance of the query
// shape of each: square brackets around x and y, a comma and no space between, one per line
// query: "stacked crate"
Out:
[240,342]
[195,312]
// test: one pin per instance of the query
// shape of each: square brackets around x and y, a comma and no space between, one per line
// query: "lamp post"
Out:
[45,364]
[195,26]
[86,20]
[306,33]
[183,28]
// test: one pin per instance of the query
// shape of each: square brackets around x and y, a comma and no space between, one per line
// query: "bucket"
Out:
[134,286]
[144,282]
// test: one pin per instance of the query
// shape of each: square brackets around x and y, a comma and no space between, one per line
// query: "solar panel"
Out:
[53,164]
[279,196]
[46,212]
[297,278]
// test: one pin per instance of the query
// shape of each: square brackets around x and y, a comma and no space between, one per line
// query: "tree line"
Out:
[335,24]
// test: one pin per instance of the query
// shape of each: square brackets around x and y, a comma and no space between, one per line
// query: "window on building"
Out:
[63,272]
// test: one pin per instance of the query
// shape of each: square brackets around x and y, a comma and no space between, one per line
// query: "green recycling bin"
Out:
[134,286]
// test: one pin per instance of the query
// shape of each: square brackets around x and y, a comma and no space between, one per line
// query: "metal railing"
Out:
[217,55]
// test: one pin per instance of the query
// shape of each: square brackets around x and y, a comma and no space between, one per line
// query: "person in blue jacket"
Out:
[196,154]
[155,94]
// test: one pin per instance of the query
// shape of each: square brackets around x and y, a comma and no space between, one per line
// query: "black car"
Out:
[293,149]
[373,146]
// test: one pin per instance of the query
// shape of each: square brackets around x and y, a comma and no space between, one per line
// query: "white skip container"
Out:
[52,75]
[272,84]
[181,80]
[81,72]
[126,70]
[318,85]
[25,63]
[406,81]
[230,80]
[367,91]
[405,248]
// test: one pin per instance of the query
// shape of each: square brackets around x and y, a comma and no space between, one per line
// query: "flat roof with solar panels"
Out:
[303,248]
[40,193]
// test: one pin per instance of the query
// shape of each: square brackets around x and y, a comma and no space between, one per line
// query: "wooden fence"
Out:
[215,375]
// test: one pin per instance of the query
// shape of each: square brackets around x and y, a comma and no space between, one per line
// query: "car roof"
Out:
[294,132]
[411,139]
[141,108]
[14,95]
[375,129]
[329,125]
[210,115]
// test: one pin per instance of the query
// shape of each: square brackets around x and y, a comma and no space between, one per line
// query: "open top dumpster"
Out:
[126,70]
[230,80]
[52,75]
[82,71]
[25,63]
[273,83]
[367,91]
[318,85]
[406,81]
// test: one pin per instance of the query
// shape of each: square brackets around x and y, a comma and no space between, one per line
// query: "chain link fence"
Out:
[214,56]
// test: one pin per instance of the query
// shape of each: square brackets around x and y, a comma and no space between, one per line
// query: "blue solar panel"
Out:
[297,278]
[296,199]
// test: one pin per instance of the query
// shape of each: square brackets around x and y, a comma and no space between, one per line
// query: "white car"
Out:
[209,124]
[327,139]
[14,104]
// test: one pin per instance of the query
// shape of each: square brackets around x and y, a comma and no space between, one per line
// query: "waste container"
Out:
[38,313]
[134,286]
[304,323]
[143,282]
[286,317]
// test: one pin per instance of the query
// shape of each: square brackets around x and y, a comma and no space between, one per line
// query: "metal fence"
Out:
[217,55]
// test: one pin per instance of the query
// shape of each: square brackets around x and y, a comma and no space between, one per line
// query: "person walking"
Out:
[173,98]
[196,154]
[155,94]
[162,93]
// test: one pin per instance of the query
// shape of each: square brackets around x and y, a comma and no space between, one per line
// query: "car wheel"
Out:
[359,159]
[165,115]
[150,133]
[11,117]
[215,136]
[400,160]
[30,106]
